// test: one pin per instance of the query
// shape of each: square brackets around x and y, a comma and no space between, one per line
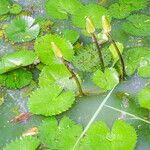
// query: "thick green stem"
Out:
[120,56]
[99,52]
[73,76]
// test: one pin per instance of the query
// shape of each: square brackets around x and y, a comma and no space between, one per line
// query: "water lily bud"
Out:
[106,24]
[56,50]
[89,26]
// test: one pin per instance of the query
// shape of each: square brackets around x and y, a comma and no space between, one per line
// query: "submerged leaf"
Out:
[26,143]
[144,98]
[50,100]
[62,136]
[122,137]
[15,60]
[93,11]
[16,79]
[44,50]
[138,25]
[22,29]
[59,9]
[106,80]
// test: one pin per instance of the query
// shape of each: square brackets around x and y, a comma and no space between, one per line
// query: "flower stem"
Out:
[73,76]
[99,51]
[119,54]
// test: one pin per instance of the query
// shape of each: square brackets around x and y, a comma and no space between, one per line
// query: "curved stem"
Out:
[73,76]
[120,56]
[99,52]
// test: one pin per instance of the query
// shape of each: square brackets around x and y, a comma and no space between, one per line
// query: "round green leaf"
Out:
[26,143]
[144,98]
[15,9]
[59,9]
[93,11]
[44,50]
[50,100]
[22,29]
[4,7]
[106,80]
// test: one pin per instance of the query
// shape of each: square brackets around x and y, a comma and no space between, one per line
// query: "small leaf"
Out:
[16,79]
[22,29]
[4,7]
[44,50]
[26,143]
[122,137]
[71,35]
[15,60]
[50,100]
[138,25]
[144,98]
[62,136]
[106,80]
[15,9]
[113,51]
[59,9]
[93,11]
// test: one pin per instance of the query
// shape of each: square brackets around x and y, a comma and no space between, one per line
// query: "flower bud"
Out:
[106,24]
[56,50]
[89,26]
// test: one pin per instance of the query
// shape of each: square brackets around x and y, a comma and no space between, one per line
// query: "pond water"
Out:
[84,107]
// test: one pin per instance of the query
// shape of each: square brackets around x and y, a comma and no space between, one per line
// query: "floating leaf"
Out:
[106,80]
[138,25]
[22,29]
[50,100]
[4,7]
[144,98]
[113,51]
[59,74]
[71,35]
[62,136]
[16,79]
[26,143]
[15,9]
[93,11]
[133,57]
[15,60]
[59,9]
[122,137]
[44,50]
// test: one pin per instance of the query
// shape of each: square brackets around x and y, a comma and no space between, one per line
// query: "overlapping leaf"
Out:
[22,29]
[144,98]
[122,137]
[44,50]
[106,80]
[60,9]
[16,79]
[50,100]
[4,7]
[15,60]
[138,25]
[62,136]
[93,11]
[27,143]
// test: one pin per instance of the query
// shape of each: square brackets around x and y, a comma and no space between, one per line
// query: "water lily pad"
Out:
[4,7]
[15,9]
[44,50]
[59,9]
[121,137]
[22,29]
[93,11]
[16,79]
[50,100]
[106,80]
[66,133]
[144,98]
[15,60]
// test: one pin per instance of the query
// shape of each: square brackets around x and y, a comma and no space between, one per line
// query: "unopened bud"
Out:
[56,50]
[89,26]
[106,24]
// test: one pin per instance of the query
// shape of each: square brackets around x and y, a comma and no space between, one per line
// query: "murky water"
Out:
[84,108]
